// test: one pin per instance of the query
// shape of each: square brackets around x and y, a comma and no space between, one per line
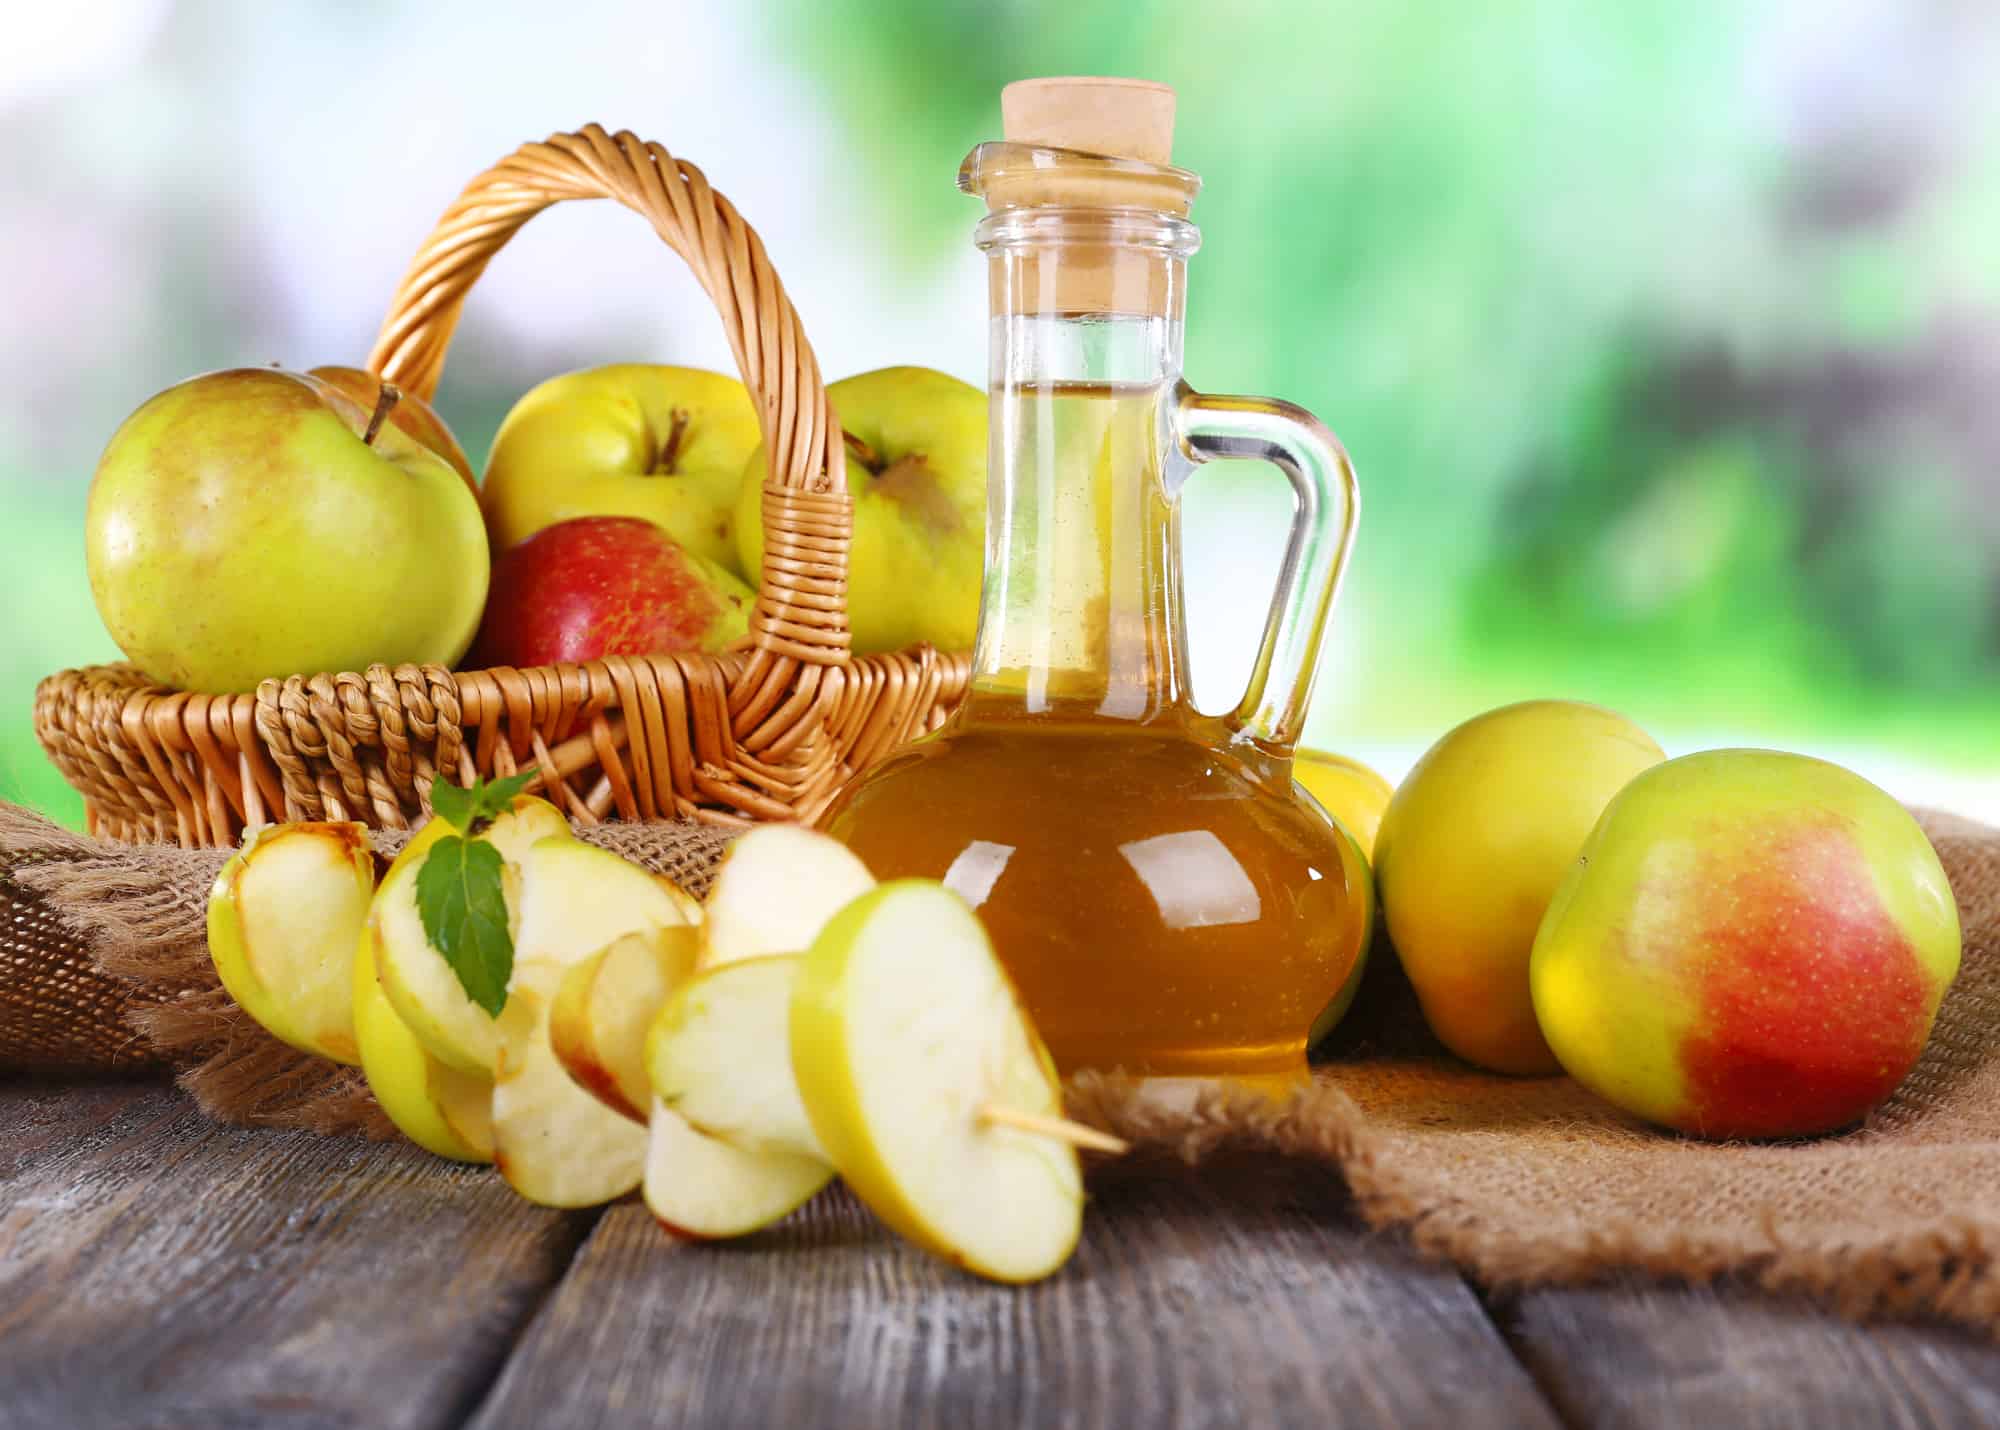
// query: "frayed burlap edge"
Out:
[1944,1272]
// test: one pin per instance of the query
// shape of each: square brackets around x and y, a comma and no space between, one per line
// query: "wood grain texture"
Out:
[159,1270]
[1645,1356]
[1238,1298]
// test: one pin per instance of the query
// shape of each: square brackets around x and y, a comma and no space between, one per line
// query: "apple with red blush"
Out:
[606,585]
[1751,944]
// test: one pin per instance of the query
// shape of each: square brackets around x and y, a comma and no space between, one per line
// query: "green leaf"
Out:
[466,809]
[463,903]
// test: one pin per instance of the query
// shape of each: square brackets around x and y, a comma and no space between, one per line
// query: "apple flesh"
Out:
[719,1054]
[1471,850]
[916,468]
[284,916]
[664,444]
[437,1107]
[1751,944]
[410,412]
[420,985]
[605,585]
[604,1008]
[904,1032]
[256,523]
[775,890]
[700,1186]
[554,1142]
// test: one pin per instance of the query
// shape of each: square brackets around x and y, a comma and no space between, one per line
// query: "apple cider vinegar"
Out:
[1164,903]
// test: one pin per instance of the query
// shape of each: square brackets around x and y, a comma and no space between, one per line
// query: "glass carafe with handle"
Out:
[1165,903]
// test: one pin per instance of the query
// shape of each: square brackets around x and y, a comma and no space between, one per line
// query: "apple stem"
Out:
[670,450]
[866,455]
[1060,1128]
[385,401]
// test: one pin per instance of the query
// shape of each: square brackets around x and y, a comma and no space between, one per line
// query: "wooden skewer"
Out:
[1060,1128]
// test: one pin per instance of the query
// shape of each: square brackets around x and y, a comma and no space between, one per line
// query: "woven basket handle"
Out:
[801,610]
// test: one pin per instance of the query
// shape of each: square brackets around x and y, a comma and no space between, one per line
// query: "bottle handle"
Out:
[1273,709]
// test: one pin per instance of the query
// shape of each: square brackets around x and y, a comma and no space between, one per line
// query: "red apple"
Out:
[606,585]
[411,413]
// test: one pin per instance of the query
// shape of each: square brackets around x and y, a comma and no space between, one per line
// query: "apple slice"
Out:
[283,918]
[421,986]
[435,1106]
[929,1089]
[720,1055]
[702,1186]
[776,888]
[605,1006]
[555,1143]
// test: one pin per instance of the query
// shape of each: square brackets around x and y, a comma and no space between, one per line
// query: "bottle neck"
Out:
[1082,615]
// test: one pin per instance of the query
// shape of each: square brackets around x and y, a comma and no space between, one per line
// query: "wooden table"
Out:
[157,1270]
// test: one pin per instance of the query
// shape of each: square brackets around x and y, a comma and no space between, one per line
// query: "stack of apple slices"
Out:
[731,1058]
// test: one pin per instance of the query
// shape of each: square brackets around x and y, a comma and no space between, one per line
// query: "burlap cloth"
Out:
[1519,1182]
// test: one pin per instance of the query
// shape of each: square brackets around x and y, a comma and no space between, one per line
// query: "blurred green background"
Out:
[1666,336]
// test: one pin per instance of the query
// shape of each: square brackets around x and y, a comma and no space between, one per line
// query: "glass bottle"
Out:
[1164,902]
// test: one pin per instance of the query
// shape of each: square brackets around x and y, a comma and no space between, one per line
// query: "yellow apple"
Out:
[1471,850]
[257,523]
[1752,944]
[1346,789]
[666,444]
[283,918]
[437,1107]
[916,467]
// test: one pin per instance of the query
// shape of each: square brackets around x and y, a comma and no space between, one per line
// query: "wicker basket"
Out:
[765,732]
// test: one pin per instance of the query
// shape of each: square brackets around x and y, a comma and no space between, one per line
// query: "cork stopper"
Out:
[1121,118]
[1082,142]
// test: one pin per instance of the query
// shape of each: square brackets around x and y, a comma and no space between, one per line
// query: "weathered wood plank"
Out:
[158,1270]
[1232,1299]
[1645,1356]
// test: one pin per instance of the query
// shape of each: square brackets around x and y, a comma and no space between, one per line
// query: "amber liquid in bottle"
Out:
[1163,901]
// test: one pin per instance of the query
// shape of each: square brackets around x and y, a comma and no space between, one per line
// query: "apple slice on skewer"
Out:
[731,1150]
[426,994]
[555,1143]
[929,1089]
[437,1107]
[720,1055]
[702,1186]
[776,888]
[284,916]
[606,1004]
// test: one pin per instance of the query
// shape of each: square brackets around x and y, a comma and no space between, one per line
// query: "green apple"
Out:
[420,984]
[437,1107]
[1472,848]
[918,1068]
[283,918]
[916,468]
[776,888]
[409,412]
[666,444]
[554,1142]
[1750,944]
[257,523]
[606,1004]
